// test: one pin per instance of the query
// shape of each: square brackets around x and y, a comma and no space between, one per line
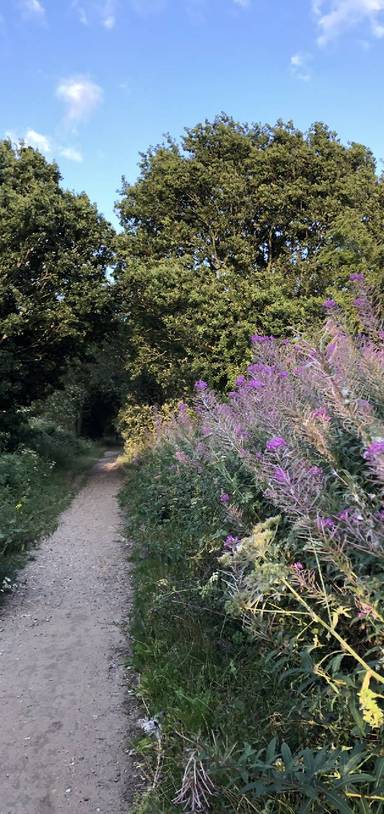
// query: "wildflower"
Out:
[275,443]
[240,380]
[257,339]
[224,498]
[298,566]
[255,384]
[329,304]
[364,610]
[280,475]
[182,408]
[323,523]
[374,449]
[230,542]
[359,302]
[200,385]
[357,277]
[344,514]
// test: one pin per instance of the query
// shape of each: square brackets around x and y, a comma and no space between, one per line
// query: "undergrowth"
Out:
[37,481]
[259,609]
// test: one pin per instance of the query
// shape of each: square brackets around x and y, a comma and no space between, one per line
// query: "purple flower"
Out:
[182,408]
[255,384]
[257,339]
[283,374]
[280,475]
[329,304]
[230,542]
[345,514]
[240,380]
[325,523]
[224,498]
[374,449]
[298,566]
[364,611]
[275,443]
[321,413]
[359,302]
[381,334]
[357,277]
[200,385]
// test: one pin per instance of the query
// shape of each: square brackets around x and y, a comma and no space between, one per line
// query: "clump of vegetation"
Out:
[37,480]
[259,618]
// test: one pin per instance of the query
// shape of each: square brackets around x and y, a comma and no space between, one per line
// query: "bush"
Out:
[36,481]
[259,618]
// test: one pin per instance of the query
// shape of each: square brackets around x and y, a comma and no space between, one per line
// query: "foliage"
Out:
[238,227]
[54,295]
[36,483]
[259,571]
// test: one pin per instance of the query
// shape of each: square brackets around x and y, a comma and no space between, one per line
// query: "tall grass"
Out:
[37,481]
[259,620]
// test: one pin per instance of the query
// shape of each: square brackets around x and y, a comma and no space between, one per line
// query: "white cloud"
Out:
[300,66]
[334,17]
[242,3]
[71,154]
[108,16]
[33,8]
[81,97]
[37,140]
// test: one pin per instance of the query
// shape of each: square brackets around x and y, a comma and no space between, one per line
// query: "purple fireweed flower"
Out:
[182,408]
[357,277]
[321,413]
[381,334]
[364,610]
[200,385]
[230,542]
[359,302]
[224,498]
[329,304]
[257,339]
[374,449]
[280,475]
[275,443]
[345,514]
[298,566]
[240,380]
[315,470]
[283,374]
[255,384]
[325,523]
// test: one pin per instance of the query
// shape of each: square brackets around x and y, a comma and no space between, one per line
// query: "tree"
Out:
[55,298]
[238,229]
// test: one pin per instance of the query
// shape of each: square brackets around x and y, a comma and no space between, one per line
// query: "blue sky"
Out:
[94,82]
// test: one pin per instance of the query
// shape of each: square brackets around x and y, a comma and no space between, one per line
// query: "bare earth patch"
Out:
[65,710]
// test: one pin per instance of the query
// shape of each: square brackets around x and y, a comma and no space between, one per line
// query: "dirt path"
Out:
[63,700]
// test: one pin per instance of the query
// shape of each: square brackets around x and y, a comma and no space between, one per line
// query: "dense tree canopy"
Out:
[54,295]
[239,228]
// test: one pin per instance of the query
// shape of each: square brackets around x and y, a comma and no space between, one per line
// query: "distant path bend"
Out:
[63,713]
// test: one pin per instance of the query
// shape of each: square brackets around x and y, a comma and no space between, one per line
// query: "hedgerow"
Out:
[259,618]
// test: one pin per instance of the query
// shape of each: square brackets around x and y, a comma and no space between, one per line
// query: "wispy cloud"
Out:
[102,12]
[108,14]
[334,17]
[38,140]
[33,8]
[46,145]
[71,154]
[299,64]
[81,97]
[242,3]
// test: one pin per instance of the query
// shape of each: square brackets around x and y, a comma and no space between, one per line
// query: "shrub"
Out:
[36,481]
[260,619]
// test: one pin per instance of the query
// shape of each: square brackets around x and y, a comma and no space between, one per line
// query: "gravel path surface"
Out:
[65,712]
